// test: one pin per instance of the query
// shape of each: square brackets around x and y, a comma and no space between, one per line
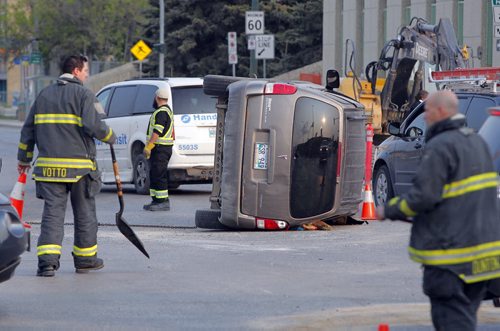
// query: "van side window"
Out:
[315,143]
[144,100]
[103,98]
[122,101]
[478,112]
[192,100]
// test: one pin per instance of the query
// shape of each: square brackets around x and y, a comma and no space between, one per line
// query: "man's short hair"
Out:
[72,62]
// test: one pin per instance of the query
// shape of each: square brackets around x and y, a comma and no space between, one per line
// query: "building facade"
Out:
[370,23]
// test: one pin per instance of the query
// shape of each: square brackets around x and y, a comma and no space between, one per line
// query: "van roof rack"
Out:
[470,79]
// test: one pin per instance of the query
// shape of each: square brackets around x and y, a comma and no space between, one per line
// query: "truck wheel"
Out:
[217,85]
[141,174]
[208,219]
[382,187]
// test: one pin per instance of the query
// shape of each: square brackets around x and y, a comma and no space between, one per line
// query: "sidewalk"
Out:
[12,123]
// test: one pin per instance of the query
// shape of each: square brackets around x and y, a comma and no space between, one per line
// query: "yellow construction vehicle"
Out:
[387,99]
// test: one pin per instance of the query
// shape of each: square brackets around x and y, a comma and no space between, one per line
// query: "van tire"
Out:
[141,174]
[209,219]
[217,85]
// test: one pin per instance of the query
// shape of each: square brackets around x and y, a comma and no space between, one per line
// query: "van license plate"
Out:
[260,156]
[211,132]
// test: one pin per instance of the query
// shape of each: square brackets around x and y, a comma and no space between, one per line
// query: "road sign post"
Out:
[232,50]
[264,49]
[252,25]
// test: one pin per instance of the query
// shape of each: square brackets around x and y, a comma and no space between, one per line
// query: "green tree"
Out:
[104,30]
[196,35]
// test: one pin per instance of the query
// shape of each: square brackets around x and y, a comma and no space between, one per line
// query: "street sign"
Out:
[264,46]
[232,47]
[233,59]
[140,50]
[36,58]
[496,14]
[251,42]
[254,22]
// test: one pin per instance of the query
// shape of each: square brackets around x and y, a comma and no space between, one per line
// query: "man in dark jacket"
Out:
[63,122]
[456,216]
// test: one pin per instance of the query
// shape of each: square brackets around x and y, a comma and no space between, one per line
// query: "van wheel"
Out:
[217,85]
[209,219]
[382,187]
[141,174]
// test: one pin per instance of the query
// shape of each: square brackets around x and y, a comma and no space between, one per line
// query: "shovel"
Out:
[122,225]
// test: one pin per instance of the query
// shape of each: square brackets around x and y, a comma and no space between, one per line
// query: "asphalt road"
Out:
[351,278]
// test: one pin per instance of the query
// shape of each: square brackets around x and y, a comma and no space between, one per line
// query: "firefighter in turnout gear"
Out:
[62,123]
[456,216]
[159,150]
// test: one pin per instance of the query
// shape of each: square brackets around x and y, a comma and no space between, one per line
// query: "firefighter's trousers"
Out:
[158,173]
[55,196]
[454,304]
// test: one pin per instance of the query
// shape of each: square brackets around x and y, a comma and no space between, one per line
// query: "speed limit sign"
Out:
[254,22]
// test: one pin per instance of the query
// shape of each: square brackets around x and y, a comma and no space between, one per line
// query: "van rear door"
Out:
[194,119]
[290,157]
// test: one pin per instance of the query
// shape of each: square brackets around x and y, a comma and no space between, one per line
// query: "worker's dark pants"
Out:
[158,173]
[454,304]
[55,196]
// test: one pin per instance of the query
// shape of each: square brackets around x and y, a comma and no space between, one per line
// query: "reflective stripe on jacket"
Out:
[454,204]
[63,122]
[166,137]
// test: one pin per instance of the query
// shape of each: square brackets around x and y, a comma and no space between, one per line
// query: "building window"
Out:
[406,12]
[433,12]
[382,25]
[460,21]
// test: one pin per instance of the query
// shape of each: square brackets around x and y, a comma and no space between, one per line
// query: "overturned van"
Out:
[286,154]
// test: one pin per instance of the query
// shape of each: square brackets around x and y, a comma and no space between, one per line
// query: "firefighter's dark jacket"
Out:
[454,204]
[63,122]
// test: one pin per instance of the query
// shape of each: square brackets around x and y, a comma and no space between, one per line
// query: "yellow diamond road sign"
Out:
[140,50]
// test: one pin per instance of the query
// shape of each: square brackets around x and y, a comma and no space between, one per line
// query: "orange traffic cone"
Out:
[17,195]
[368,212]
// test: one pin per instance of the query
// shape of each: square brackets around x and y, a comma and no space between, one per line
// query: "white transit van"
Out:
[129,105]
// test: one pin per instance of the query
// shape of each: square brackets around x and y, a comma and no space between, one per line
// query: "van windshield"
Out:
[192,100]
[315,144]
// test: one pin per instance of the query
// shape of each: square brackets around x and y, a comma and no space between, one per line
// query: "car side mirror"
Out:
[394,129]
[332,79]
[414,132]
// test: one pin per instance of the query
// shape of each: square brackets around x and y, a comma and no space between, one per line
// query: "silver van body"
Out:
[286,154]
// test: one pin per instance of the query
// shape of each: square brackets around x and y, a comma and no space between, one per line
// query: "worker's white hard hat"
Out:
[162,93]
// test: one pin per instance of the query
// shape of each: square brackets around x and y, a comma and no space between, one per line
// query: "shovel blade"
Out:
[127,231]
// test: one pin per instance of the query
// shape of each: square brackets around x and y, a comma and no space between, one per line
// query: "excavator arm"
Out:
[420,43]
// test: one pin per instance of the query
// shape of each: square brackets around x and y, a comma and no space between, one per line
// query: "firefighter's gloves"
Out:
[147,150]
[23,167]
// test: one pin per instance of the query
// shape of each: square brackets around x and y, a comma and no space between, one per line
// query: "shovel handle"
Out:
[116,171]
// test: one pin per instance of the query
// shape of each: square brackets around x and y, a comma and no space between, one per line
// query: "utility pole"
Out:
[161,67]
[253,60]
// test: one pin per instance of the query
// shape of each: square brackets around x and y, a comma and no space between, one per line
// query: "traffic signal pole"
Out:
[253,60]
